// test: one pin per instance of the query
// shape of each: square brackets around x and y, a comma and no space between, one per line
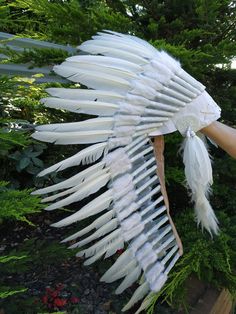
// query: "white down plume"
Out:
[133,89]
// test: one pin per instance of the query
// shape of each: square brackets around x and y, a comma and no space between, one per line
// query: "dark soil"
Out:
[48,269]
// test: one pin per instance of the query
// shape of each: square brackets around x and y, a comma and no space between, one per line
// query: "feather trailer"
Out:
[107,240]
[198,173]
[146,303]
[120,44]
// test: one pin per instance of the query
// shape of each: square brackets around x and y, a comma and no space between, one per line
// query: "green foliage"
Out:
[4,290]
[34,57]
[7,292]
[211,260]
[33,253]
[17,204]
[27,159]
[11,138]
[46,19]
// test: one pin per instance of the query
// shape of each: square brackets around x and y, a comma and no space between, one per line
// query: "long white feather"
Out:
[86,156]
[124,271]
[72,181]
[112,52]
[129,280]
[132,39]
[139,293]
[120,44]
[122,260]
[77,187]
[107,62]
[114,246]
[90,188]
[81,106]
[95,248]
[93,79]
[80,137]
[87,125]
[108,227]
[83,67]
[100,221]
[137,43]
[146,303]
[86,94]
[94,207]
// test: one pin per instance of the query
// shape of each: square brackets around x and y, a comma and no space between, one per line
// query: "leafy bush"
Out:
[17,204]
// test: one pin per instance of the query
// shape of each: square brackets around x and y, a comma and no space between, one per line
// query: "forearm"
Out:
[222,135]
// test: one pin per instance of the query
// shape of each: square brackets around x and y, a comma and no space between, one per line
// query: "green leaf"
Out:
[38,162]
[24,162]
[32,169]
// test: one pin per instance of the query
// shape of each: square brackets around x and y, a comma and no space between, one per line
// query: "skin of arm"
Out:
[222,135]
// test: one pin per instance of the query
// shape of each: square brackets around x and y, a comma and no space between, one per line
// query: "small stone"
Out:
[86,292]
[2,248]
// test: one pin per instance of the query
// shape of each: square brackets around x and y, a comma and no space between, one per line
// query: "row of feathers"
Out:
[133,90]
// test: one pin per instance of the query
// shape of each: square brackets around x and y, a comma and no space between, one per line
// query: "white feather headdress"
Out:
[134,91]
